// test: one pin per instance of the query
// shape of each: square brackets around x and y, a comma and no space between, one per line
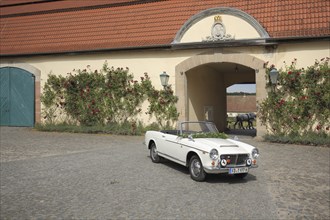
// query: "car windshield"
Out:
[197,127]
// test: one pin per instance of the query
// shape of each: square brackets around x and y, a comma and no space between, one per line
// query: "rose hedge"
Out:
[106,96]
[300,102]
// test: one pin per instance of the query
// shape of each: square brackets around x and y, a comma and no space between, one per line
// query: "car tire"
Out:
[196,169]
[154,154]
[241,175]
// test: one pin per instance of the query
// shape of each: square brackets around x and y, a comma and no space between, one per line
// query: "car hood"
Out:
[224,146]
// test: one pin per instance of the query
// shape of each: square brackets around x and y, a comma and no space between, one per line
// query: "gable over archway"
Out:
[239,24]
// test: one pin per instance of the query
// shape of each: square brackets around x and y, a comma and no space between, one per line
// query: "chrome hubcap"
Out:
[154,153]
[196,167]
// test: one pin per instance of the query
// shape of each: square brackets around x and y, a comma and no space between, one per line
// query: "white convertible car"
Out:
[200,147]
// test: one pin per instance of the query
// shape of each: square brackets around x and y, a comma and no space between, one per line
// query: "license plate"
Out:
[238,170]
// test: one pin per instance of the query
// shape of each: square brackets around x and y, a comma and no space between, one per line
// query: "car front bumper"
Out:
[217,170]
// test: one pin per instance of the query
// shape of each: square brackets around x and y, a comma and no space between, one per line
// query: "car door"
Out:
[174,149]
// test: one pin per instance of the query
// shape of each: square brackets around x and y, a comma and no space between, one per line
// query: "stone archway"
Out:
[249,61]
[37,74]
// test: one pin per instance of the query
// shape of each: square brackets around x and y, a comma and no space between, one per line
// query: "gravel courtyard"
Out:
[94,176]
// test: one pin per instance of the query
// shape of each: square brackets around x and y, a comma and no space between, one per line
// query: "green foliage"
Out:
[125,128]
[240,94]
[307,138]
[51,98]
[108,96]
[162,105]
[153,127]
[300,103]
[207,135]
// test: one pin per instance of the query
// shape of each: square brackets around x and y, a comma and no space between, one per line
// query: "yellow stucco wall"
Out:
[155,62]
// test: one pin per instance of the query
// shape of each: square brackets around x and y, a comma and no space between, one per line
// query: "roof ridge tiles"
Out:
[148,23]
[80,8]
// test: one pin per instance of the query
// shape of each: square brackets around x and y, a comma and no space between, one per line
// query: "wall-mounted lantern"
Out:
[273,75]
[164,77]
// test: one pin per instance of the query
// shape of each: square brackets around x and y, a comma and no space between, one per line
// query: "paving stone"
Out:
[91,176]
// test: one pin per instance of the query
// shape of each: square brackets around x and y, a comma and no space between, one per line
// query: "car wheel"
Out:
[154,154]
[196,169]
[241,175]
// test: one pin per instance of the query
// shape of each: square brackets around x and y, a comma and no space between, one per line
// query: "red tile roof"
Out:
[71,25]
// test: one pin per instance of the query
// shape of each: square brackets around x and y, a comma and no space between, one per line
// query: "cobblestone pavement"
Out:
[81,176]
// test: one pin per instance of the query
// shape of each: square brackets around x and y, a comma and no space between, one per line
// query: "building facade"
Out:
[205,46]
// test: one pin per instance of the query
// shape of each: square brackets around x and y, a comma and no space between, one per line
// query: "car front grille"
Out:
[235,159]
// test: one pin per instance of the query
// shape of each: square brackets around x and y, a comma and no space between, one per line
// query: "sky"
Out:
[247,88]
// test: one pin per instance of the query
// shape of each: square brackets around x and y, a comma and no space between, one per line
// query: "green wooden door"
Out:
[4,96]
[17,97]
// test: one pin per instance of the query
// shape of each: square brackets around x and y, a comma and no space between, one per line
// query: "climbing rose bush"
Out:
[110,95]
[300,102]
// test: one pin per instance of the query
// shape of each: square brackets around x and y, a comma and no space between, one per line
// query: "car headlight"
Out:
[214,154]
[255,153]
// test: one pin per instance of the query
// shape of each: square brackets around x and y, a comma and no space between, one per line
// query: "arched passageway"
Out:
[201,83]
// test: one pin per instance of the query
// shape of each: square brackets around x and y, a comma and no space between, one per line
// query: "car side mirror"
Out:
[190,137]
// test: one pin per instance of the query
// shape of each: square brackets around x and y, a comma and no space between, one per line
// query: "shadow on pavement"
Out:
[230,179]
[243,132]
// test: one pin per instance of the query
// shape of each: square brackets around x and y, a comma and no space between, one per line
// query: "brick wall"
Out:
[242,103]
